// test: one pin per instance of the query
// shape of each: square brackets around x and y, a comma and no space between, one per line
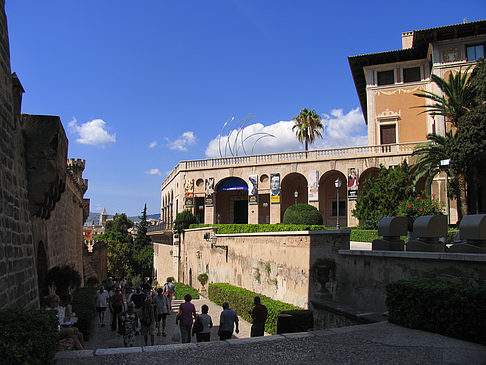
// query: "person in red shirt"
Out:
[259,315]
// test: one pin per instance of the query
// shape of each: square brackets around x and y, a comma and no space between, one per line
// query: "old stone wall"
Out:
[95,255]
[165,262]
[365,274]
[18,280]
[275,264]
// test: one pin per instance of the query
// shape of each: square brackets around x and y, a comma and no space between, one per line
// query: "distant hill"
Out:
[95,217]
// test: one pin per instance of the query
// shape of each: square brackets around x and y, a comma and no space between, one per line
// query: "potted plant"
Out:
[203,279]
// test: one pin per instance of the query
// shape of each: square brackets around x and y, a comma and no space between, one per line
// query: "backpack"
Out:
[146,316]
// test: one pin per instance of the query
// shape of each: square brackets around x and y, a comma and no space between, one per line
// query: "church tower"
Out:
[103,217]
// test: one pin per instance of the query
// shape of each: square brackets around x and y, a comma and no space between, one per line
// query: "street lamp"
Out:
[296,195]
[444,166]
[337,184]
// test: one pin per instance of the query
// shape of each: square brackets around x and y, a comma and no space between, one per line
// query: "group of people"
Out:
[145,313]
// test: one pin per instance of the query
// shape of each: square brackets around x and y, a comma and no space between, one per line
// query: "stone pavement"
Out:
[378,343]
[104,337]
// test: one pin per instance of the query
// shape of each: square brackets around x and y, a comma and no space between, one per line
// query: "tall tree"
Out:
[308,126]
[454,103]
[143,252]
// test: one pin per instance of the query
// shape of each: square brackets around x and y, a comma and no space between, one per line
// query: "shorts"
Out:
[100,309]
[161,316]
[148,330]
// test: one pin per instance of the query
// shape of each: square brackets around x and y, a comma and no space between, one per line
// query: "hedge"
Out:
[28,336]
[253,228]
[437,306]
[241,301]
[183,289]
[364,235]
[302,214]
[84,305]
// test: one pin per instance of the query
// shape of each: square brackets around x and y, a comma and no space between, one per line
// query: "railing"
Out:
[160,227]
[334,153]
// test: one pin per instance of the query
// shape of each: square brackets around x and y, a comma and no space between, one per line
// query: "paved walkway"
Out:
[378,343]
[104,337]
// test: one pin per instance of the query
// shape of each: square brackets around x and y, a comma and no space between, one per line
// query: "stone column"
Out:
[274,213]
[252,213]
[209,215]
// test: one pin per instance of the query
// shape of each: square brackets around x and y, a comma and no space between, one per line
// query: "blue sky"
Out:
[141,85]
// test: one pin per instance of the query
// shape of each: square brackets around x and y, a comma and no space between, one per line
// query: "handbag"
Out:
[176,335]
[198,326]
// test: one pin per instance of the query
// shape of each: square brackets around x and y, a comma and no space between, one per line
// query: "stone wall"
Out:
[165,262]
[18,280]
[95,255]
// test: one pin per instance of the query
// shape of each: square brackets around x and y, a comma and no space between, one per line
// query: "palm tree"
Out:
[452,104]
[307,126]
[455,99]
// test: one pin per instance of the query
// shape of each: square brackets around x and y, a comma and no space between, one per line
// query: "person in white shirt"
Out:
[101,304]
[161,309]
[207,324]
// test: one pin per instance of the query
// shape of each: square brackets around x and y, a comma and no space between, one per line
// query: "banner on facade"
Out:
[353,183]
[189,193]
[313,186]
[274,188]
[209,192]
[253,189]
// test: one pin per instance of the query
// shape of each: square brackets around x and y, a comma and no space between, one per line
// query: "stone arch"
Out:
[291,183]
[372,172]
[42,268]
[328,199]
[231,201]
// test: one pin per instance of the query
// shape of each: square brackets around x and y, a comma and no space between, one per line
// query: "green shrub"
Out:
[84,305]
[28,336]
[255,228]
[421,205]
[437,306]
[364,235]
[302,214]
[202,278]
[183,220]
[241,301]
[183,289]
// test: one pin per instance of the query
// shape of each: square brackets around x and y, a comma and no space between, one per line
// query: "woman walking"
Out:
[207,323]
[101,304]
[187,312]
[129,323]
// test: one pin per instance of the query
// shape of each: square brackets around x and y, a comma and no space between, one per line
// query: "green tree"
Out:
[454,103]
[143,252]
[307,126]
[183,220]
[120,224]
[381,196]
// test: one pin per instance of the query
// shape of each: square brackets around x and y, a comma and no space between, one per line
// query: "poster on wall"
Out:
[209,192]
[353,183]
[313,186]
[253,189]
[274,188]
[189,193]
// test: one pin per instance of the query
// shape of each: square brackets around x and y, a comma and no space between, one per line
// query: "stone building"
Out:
[42,205]
[220,190]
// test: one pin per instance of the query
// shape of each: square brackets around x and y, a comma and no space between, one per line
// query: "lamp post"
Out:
[444,166]
[296,195]
[337,184]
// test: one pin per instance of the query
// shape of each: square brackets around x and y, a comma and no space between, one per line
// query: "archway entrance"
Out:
[41,264]
[231,198]
[328,204]
[293,189]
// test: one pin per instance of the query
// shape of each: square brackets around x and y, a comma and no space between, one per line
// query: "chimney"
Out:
[407,40]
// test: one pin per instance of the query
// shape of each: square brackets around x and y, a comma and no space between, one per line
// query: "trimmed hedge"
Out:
[241,301]
[28,336]
[183,289]
[302,214]
[253,228]
[437,306]
[84,305]
[364,235]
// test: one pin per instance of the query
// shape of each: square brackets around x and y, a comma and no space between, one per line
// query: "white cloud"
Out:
[152,144]
[340,130]
[93,132]
[154,172]
[186,139]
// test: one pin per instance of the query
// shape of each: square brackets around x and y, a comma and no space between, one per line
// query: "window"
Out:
[474,53]
[386,77]
[388,134]
[411,74]
[342,208]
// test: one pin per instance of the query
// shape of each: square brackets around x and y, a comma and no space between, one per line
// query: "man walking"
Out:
[259,315]
[227,321]
[169,290]
[138,298]
[161,309]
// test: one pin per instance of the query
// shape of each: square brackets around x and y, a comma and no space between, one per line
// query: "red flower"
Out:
[418,198]
[408,206]
[399,202]
[422,200]
[433,195]
[421,209]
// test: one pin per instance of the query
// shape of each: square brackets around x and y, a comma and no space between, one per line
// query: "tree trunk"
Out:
[463,195]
